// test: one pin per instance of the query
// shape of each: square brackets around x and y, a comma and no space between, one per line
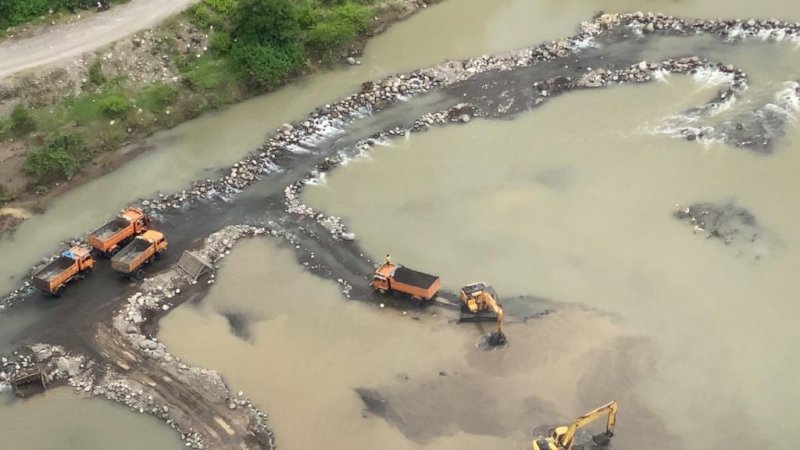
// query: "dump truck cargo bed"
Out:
[128,224]
[414,278]
[54,269]
[128,259]
[45,278]
[110,229]
[389,278]
[56,274]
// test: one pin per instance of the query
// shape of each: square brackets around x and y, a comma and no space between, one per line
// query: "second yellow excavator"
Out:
[563,437]
[480,304]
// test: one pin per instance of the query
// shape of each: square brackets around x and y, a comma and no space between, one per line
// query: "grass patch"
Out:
[158,97]
[338,27]
[209,73]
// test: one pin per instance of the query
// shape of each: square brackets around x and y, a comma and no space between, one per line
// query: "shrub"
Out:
[21,120]
[272,22]
[115,106]
[266,66]
[96,75]
[60,157]
[220,42]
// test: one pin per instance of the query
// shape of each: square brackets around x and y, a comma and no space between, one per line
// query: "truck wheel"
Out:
[113,252]
[57,293]
[139,274]
[382,291]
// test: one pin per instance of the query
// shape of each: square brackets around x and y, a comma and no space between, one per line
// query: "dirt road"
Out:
[59,43]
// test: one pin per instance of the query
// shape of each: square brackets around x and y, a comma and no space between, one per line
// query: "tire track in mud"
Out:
[263,190]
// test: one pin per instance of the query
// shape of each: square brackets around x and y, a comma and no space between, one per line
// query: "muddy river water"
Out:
[569,206]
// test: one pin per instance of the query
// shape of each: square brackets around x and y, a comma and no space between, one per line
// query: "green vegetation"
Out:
[338,28]
[96,75]
[158,97]
[21,120]
[268,41]
[115,106]
[254,46]
[5,127]
[59,158]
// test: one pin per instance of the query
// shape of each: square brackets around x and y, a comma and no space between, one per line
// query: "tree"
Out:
[273,22]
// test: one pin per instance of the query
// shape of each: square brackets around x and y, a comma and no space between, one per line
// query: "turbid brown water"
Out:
[60,419]
[583,216]
[539,208]
[387,378]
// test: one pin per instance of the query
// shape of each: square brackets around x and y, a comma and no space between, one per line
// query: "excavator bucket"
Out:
[602,439]
[496,339]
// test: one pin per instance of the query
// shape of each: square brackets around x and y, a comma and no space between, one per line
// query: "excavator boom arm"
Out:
[609,409]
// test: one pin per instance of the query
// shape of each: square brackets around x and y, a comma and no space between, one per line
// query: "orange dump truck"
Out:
[390,278]
[110,238]
[142,250]
[71,264]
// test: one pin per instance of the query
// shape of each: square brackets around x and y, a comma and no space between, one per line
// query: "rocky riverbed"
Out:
[130,364]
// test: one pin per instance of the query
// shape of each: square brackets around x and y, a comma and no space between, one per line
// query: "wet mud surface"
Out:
[263,191]
[731,224]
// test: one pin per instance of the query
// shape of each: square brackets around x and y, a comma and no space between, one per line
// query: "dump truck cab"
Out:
[380,280]
[392,278]
[69,265]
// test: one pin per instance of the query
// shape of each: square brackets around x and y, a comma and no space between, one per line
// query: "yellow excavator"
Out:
[562,438]
[480,304]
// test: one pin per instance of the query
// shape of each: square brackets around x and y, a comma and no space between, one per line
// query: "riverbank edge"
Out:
[108,162]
